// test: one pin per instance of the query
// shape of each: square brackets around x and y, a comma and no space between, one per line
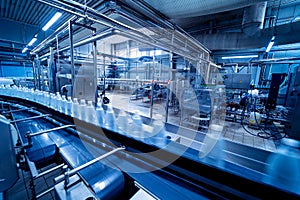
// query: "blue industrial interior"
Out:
[149,99]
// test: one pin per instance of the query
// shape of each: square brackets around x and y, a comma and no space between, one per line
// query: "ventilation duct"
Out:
[253,18]
[195,8]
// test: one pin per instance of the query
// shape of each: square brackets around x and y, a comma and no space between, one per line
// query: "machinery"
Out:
[123,172]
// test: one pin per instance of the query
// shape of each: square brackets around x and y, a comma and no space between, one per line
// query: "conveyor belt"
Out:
[244,166]
[43,149]
[106,182]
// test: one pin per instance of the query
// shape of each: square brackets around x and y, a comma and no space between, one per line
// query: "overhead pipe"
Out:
[158,30]
[51,37]
[122,27]
[169,25]
[111,23]
[105,34]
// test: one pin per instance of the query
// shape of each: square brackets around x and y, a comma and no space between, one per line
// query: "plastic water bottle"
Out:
[122,122]
[47,99]
[75,108]
[136,129]
[81,110]
[32,95]
[58,102]
[38,95]
[100,115]
[69,104]
[90,114]
[53,101]
[63,104]
[110,118]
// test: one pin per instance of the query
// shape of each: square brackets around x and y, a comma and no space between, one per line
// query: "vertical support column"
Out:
[152,85]
[72,53]
[34,66]
[160,70]
[127,75]
[58,85]
[104,76]
[169,97]
[38,72]
[95,69]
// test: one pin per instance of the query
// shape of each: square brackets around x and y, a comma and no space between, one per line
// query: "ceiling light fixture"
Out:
[52,21]
[235,57]
[32,41]
[271,43]
[24,50]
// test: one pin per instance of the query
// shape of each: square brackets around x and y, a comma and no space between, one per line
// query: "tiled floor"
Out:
[232,131]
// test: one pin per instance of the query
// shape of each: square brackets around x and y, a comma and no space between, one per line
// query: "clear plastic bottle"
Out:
[100,115]
[68,110]
[53,101]
[90,115]
[75,108]
[81,110]
[110,118]
[58,102]
[136,129]
[122,122]
[63,104]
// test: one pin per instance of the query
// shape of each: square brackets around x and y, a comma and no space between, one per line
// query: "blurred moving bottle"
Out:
[283,166]
[110,118]
[136,128]
[212,149]
[100,115]
[122,122]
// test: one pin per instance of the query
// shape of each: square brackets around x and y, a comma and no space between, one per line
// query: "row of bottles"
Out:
[104,116]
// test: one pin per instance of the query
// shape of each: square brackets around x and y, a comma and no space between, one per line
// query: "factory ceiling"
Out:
[218,24]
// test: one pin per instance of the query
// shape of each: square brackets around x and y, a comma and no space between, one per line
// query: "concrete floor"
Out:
[232,131]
